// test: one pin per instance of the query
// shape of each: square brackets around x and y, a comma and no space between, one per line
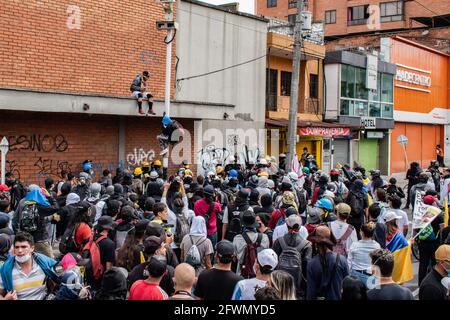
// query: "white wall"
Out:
[332,94]
[247,6]
[209,39]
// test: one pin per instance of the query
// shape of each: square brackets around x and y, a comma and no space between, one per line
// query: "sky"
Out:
[247,6]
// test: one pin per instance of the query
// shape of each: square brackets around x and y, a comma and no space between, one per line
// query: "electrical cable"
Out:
[171,40]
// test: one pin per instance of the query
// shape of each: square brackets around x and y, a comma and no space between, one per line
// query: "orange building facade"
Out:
[421,103]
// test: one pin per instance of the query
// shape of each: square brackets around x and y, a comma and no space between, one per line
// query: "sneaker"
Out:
[141,111]
[151,112]
[164,151]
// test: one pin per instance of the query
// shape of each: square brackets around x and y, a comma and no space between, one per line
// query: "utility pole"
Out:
[295,83]
[169,25]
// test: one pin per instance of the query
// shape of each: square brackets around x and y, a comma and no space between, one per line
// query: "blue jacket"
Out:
[43,261]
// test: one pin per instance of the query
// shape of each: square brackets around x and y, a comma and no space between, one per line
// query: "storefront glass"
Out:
[357,100]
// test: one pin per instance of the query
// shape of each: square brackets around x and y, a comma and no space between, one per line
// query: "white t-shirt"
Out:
[338,228]
[403,221]
[245,289]
[282,230]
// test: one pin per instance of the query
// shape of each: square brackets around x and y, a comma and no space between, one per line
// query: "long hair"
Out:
[125,255]
[283,282]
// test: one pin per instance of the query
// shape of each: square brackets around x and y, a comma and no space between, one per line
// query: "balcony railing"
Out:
[356,22]
[281,104]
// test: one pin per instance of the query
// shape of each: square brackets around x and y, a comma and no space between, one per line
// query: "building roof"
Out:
[212,6]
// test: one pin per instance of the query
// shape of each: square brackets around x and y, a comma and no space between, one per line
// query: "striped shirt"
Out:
[359,258]
[28,287]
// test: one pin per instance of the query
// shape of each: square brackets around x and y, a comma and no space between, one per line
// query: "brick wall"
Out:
[318,8]
[43,144]
[42,47]
[434,39]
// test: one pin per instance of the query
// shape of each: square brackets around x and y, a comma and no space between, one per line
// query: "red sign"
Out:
[324,132]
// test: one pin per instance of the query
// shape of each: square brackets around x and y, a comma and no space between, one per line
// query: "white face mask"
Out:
[24,258]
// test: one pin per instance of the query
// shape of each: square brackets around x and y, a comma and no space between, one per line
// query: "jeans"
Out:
[362,276]
[213,238]
[426,255]
[163,141]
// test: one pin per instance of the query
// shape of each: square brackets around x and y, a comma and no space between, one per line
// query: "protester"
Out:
[343,232]
[219,282]
[184,282]
[265,264]
[353,289]
[149,288]
[386,288]
[209,208]
[283,283]
[432,286]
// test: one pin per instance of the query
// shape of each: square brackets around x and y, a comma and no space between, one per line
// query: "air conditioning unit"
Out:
[166,25]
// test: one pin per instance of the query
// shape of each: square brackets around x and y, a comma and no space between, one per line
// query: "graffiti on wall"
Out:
[210,157]
[12,166]
[48,167]
[38,142]
[140,155]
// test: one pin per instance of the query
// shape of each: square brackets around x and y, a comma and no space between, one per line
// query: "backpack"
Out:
[281,220]
[67,243]
[17,192]
[290,260]
[357,205]
[231,196]
[339,194]
[193,256]
[250,255]
[94,268]
[341,243]
[30,218]
[235,224]
[182,228]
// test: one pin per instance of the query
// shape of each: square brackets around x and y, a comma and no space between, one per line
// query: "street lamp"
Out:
[4,148]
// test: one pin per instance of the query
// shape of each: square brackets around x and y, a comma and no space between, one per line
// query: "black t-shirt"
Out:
[166,282]
[431,287]
[107,251]
[215,284]
[390,291]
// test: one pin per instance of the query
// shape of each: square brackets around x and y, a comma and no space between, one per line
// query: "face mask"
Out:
[24,258]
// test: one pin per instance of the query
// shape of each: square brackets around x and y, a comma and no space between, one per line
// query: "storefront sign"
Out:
[414,76]
[324,132]
[372,72]
[375,135]
[368,122]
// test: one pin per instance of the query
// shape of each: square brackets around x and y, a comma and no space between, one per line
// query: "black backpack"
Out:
[234,224]
[357,205]
[182,229]
[290,260]
[67,243]
[29,220]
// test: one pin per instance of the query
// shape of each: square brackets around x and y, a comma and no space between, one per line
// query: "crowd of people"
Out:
[255,232]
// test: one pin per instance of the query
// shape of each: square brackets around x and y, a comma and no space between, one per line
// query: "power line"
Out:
[437,14]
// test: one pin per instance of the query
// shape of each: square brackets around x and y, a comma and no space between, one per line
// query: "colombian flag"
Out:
[401,250]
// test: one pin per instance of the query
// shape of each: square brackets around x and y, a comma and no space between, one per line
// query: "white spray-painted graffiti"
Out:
[211,156]
[140,155]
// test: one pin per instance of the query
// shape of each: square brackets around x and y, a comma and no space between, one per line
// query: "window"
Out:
[292,4]
[285,89]
[330,16]
[348,81]
[391,11]
[387,88]
[291,18]
[361,91]
[313,86]
[357,15]
[271,89]
[271,3]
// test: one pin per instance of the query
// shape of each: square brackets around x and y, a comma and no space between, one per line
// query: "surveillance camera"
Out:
[86,107]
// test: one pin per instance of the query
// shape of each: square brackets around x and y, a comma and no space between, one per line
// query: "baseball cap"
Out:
[225,248]
[4,187]
[391,215]
[443,253]
[209,190]
[294,221]
[151,244]
[343,208]
[268,257]
[429,200]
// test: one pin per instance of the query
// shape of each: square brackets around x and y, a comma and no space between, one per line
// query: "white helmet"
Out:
[263,162]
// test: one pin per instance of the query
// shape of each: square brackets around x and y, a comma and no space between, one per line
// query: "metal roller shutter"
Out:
[341,152]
